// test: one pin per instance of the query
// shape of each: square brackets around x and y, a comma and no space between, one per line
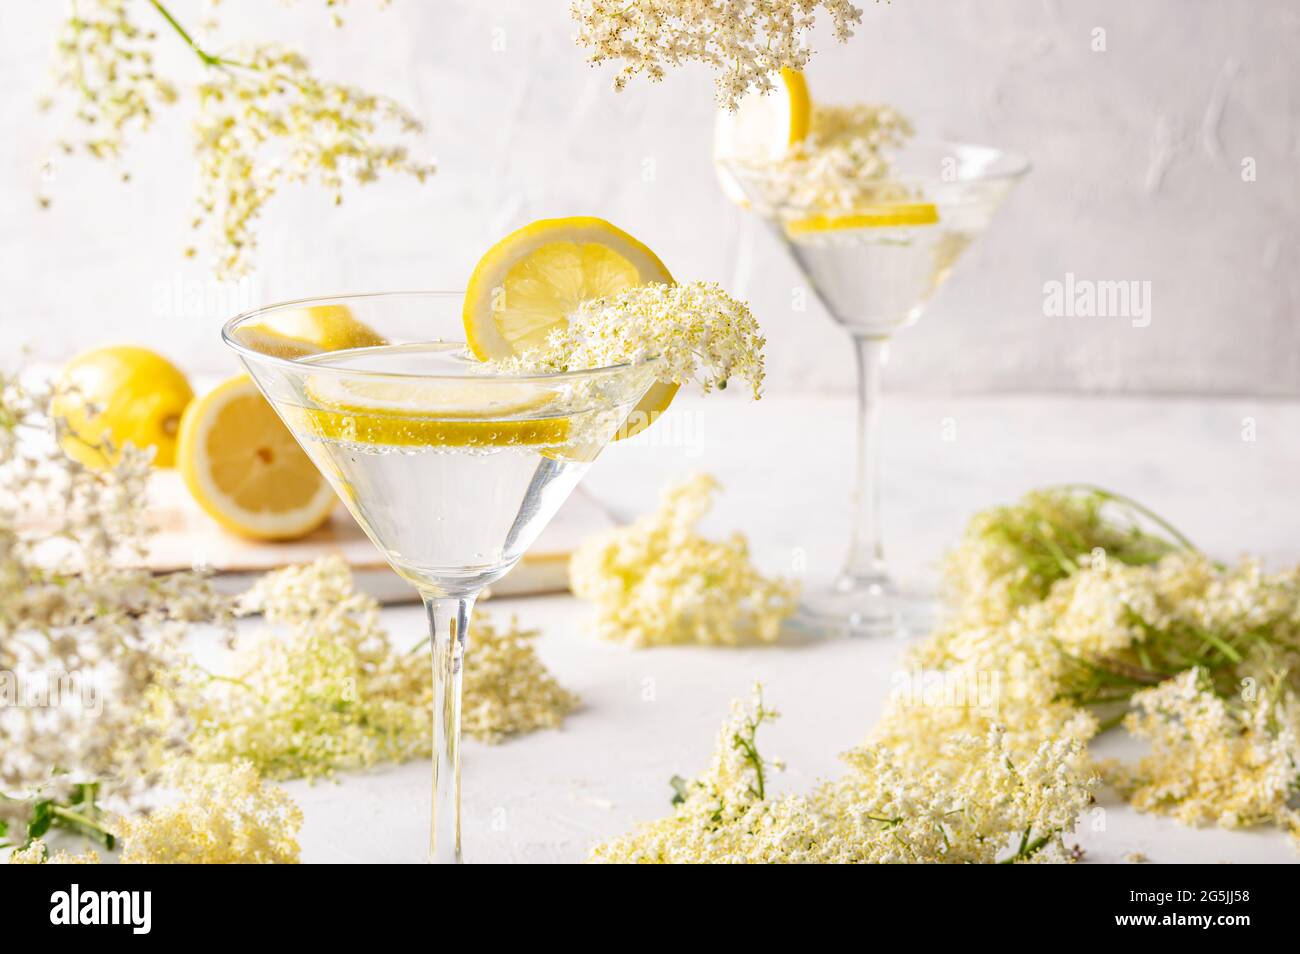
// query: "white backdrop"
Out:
[1138,152]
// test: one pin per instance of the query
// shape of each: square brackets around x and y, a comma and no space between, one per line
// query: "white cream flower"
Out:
[324,688]
[264,118]
[743,41]
[658,582]
[77,612]
[694,331]
[989,804]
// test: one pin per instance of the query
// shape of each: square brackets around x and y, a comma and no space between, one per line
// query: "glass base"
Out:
[861,606]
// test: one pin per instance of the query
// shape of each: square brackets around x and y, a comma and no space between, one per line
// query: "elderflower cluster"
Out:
[843,165]
[693,332]
[84,638]
[224,815]
[106,63]
[1010,556]
[323,687]
[1085,620]
[264,118]
[268,121]
[658,582]
[507,689]
[744,42]
[216,814]
[38,854]
[1213,761]
[990,805]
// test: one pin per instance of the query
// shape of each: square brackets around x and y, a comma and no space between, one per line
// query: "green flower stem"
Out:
[1028,848]
[1139,508]
[207,58]
[67,818]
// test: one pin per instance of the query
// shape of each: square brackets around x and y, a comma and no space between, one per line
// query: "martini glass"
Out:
[874,260]
[451,470]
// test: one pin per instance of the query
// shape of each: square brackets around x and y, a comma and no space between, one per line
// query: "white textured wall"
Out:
[1137,176]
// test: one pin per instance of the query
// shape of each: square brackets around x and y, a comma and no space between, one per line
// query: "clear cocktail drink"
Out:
[451,468]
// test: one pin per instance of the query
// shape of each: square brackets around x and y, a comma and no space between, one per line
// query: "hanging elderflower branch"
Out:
[746,43]
[264,118]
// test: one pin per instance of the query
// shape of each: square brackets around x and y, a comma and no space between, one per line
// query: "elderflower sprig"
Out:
[1011,556]
[224,815]
[743,42]
[215,814]
[695,332]
[990,806]
[658,582]
[1231,762]
[269,121]
[844,164]
[264,118]
[38,854]
[106,63]
[323,688]
[1089,618]
[86,637]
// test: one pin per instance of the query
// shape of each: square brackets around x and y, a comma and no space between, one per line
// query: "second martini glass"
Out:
[874,263]
[451,470]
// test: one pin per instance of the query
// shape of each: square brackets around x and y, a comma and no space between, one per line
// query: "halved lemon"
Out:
[299,332]
[245,469]
[430,413]
[763,126]
[535,278]
[891,215]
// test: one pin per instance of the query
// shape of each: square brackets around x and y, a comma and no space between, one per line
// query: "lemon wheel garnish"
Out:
[762,127]
[245,469]
[894,215]
[138,398]
[430,413]
[534,278]
[299,332]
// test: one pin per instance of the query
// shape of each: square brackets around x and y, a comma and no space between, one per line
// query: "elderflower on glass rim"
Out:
[230,334]
[938,171]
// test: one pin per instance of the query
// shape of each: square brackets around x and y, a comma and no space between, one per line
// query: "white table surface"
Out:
[786,466]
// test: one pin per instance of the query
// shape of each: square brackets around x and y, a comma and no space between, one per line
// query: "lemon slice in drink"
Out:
[762,127]
[535,278]
[889,215]
[430,413]
[245,469]
[299,332]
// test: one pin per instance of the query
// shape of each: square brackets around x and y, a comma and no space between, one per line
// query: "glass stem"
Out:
[866,562]
[448,627]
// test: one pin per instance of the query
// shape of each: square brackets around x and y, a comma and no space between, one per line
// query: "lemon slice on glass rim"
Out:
[534,278]
[245,469]
[762,127]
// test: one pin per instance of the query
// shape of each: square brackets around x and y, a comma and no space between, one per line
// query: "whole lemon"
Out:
[137,395]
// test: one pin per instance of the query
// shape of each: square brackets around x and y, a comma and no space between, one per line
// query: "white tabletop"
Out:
[786,465]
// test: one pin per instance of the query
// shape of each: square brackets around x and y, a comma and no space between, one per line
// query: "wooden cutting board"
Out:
[186,537]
